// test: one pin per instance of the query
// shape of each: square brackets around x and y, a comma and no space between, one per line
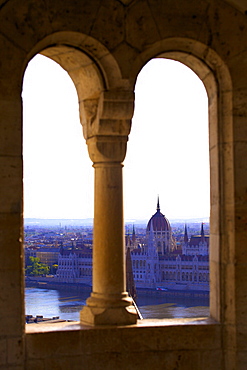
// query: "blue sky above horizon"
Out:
[167,150]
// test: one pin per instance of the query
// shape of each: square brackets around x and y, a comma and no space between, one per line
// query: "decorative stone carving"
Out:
[110,114]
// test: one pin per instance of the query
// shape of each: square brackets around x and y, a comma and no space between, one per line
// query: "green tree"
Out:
[36,268]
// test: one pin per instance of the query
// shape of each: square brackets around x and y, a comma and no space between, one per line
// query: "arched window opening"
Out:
[58,187]
[168,164]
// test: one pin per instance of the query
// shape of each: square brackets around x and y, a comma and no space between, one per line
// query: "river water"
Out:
[67,304]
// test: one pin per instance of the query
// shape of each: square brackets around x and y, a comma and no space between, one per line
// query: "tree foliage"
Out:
[36,268]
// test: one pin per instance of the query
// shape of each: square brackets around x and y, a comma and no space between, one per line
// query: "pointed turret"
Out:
[133,236]
[202,234]
[160,222]
[158,205]
[186,239]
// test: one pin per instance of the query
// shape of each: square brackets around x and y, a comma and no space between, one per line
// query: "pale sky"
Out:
[167,150]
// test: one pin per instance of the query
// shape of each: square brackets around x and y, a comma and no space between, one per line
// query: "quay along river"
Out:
[67,304]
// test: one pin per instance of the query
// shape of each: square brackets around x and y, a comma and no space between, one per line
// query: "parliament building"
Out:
[159,264]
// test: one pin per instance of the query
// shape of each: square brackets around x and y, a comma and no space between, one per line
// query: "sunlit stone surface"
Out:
[110,41]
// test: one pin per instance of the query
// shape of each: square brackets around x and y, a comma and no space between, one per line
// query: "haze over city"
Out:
[167,150]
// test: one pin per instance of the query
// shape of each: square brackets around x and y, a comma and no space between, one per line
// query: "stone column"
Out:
[109,303]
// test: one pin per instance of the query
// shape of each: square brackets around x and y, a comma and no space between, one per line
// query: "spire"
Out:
[202,234]
[133,230]
[186,239]
[133,235]
[158,204]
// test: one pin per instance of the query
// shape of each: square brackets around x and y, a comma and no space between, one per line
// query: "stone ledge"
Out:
[75,325]
[47,341]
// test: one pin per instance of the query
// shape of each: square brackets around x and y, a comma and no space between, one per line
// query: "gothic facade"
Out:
[159,264]
[75,266]
[155,264]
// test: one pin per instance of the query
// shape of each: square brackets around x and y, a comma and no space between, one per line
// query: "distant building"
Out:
[48,256]
[197,245]
[156,263]
[75,265]
[159,263]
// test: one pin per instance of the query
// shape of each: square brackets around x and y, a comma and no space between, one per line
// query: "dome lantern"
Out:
[159,221]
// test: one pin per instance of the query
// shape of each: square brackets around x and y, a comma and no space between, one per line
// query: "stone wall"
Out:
[103,44]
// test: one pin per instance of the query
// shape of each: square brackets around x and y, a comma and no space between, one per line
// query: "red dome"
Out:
[159,221]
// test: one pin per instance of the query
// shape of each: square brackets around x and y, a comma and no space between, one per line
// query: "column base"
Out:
[122,312]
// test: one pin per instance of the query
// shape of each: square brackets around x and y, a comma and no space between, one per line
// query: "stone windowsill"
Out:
[75,325]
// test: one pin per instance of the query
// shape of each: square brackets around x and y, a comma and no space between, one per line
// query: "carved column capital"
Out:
[108,114]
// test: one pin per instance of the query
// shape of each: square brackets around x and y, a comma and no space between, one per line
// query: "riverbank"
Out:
[67,304]
[52,283]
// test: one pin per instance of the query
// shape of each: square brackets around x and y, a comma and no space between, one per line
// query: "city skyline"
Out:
[167,152]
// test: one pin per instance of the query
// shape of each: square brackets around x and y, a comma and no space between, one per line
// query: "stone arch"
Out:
[92,48]
[214,74]
[106,109]
[101,90]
